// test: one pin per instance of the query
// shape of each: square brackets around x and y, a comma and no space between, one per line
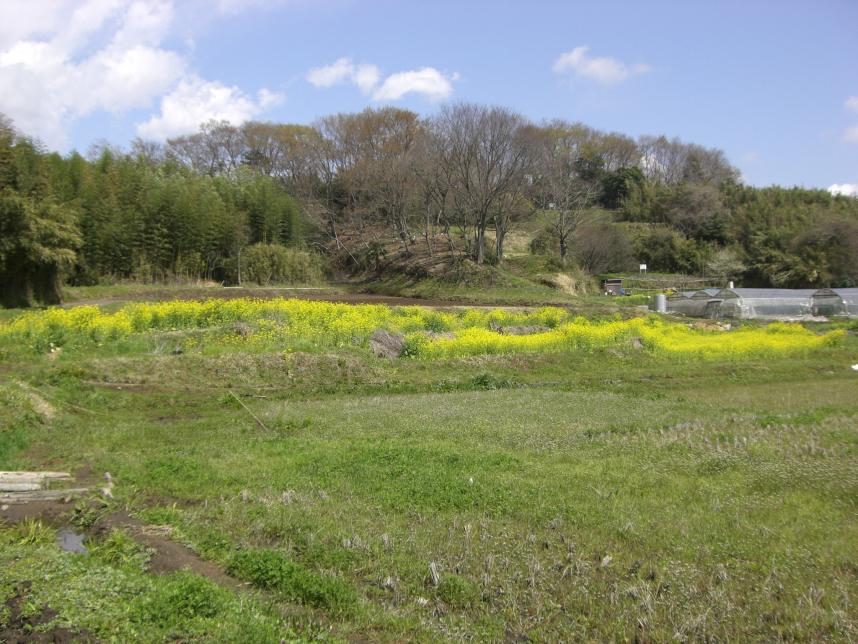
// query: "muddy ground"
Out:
[19,629]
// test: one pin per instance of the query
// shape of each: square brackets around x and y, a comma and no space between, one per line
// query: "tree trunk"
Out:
[500,233]
[481,244]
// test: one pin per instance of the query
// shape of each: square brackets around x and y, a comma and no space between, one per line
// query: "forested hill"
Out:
[361,189]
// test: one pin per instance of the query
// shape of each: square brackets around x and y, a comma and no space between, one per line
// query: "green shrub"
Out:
[181,597]
[271,570]
[458,591]
[32,532]
[274,263]
[120,550]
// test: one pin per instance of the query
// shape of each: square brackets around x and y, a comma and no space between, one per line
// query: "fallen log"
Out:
[42,495]
[26,477]
[19,487]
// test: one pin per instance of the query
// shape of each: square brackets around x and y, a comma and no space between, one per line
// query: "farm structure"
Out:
[850,300]
[765,303]
[691,303]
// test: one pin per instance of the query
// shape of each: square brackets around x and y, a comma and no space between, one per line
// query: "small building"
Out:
[613,286]
[765,303]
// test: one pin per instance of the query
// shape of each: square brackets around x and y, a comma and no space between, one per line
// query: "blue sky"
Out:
[774,84]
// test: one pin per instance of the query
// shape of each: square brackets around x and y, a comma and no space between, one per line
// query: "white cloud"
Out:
[237,6]
[268,99]
[366,77]
[427,81]
[338,72]
[604,70]
[81,57]
[196,101]
[848,189]
[852,103]
[850,135]
[342,71]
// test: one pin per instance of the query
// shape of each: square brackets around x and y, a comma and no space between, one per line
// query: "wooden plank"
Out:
[19,487]
[21,477]
[42,495]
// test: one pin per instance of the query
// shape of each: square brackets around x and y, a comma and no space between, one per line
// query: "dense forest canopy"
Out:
[360,186]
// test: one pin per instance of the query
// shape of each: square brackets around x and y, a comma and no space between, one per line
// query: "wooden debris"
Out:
[107,490]
[42,495]
[23,487]
[28,477]
[247,409]
[19,487]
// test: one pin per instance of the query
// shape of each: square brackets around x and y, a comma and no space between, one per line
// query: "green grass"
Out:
[606,495]
[122,604]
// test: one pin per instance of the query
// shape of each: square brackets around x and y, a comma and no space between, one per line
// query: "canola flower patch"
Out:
[326,323]
[656,336]
[430,334]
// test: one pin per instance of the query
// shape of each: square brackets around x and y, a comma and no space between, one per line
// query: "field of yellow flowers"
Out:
[429,334]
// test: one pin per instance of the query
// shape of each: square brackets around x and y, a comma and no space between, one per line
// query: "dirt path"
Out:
[169,556]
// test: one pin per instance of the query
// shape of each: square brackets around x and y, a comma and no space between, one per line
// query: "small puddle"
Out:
[71,541]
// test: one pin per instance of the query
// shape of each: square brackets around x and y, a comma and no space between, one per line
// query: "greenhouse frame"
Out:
[765,303]
[692,303]
[850,300]
[827,302]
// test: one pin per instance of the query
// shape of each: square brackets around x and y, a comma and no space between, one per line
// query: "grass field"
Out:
[602,490]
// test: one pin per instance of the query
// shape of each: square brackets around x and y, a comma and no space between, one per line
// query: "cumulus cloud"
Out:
[848,189]
[850,135]
[195,101]
[344,71]
[601,69]
[852,103]
[81,57]
[427,81]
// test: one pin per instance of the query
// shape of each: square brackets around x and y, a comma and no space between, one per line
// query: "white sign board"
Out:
[643,267]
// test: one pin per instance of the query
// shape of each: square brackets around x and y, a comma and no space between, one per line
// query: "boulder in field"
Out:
[524,330]
[385,344]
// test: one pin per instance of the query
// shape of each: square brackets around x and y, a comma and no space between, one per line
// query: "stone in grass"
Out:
[523,330]
[385,344]
[242,329]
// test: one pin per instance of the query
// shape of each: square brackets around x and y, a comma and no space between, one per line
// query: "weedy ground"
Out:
[608,493]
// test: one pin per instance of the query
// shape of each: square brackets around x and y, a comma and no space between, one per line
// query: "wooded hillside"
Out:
[385,186]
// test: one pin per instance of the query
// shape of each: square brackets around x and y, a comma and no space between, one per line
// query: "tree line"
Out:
[358,185]
[460,180]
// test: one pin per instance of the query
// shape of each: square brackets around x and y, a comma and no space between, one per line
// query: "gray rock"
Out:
[523,330]
[385,344]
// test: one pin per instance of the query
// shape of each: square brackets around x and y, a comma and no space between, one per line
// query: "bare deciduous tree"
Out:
[562,189]
[487,154]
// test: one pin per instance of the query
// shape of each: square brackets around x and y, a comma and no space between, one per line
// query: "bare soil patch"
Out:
[169,556]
